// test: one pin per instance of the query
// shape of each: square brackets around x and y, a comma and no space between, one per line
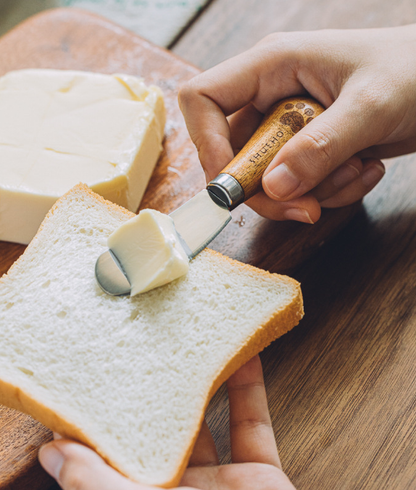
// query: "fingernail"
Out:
[373,175]
[51,459]
[345,175]
[281,182]
[298,214]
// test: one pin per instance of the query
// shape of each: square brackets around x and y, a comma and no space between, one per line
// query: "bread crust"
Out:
[279,323]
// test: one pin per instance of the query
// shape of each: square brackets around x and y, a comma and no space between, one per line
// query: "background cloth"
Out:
[159,21]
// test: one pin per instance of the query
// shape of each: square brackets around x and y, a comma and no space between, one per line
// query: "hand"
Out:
[365,79]
[256,462]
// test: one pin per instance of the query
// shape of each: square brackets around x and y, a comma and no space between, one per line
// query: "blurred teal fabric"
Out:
[159,21]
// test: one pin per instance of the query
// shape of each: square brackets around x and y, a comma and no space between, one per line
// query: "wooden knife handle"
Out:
[281,122]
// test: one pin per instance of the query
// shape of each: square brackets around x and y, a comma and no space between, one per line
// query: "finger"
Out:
[209,131]
[231,136]
[76,467]
[348,126]
[390,150]
[251,432]
[260,75]
[236,476]
[207,99]
[205,452]
[340,178]
[305,209]
[243,124]
[373,172]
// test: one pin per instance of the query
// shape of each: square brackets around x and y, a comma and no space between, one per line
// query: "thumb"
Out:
[344,129]
[76,467]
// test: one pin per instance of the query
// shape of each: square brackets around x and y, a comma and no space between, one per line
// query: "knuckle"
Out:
[245,386]
[190,90]
[269,39]
[251,423]
[279,39]
[288,44]
[374,102]
[318,150]
[186,93]
[374,99]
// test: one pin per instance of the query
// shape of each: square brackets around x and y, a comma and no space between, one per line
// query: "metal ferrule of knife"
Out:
[227,190]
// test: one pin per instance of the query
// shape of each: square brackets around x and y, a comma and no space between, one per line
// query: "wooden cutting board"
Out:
[73,39]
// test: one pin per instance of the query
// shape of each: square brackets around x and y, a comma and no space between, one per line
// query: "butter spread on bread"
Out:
[149,250]
[59,128]
[130,377]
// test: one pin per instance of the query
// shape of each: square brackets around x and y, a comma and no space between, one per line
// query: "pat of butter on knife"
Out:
[59,128]
[150,251]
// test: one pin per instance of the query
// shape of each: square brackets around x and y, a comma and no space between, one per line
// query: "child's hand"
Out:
[365,79]
[256,464]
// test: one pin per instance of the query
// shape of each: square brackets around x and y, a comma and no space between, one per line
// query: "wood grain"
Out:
[20,438]
[280,123]
[228,28]
[346,418]
[342,385]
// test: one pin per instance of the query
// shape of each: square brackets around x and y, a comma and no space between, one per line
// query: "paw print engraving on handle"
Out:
[295,118]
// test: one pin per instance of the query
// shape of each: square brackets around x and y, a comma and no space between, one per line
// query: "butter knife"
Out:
[204,216]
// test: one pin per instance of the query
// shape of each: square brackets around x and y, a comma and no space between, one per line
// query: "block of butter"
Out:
[149,251]
[59,128]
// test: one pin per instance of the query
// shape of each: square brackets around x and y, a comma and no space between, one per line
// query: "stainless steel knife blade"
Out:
[198,233]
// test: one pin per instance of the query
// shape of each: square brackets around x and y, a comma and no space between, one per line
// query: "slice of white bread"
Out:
[130,377]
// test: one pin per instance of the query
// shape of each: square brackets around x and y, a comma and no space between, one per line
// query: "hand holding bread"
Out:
[255,459]
[129,377]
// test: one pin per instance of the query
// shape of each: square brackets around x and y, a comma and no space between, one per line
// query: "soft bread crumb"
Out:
[129,376]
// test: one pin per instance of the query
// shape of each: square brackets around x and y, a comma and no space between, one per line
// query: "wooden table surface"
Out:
[342,385]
